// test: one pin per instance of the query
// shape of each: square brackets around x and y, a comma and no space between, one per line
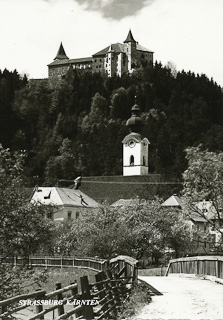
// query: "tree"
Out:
[141,229]
[24,228]
[203,183]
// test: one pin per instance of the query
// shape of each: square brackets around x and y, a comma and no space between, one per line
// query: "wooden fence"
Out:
[200,265]
[61,262]
[99,300]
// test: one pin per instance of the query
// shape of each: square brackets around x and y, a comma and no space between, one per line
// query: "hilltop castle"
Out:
[118,58]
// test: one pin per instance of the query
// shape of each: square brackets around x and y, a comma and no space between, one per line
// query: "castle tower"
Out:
[135,149]
[130,50]
[61,55]
[110,57]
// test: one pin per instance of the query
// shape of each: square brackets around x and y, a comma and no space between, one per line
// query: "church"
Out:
[136,181]
[115,59]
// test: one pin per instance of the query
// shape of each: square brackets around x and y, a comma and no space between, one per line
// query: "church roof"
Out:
[113,188]
[129,37]
[132,136]
[61,55]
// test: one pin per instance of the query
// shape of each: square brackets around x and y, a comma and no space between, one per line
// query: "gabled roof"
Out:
[115,47]
[129,37]
[197,218]
[61,55]
[173,201]
[62,197]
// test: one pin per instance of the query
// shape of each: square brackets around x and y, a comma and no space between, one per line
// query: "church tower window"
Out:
[132,160]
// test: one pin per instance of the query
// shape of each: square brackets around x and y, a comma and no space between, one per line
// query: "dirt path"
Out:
[184,298]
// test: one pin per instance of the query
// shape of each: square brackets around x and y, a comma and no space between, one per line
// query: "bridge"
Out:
[192,290]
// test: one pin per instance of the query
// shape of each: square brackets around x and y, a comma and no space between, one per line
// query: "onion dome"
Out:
[135,123]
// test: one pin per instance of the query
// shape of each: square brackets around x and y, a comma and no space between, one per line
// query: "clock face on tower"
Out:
[131,143]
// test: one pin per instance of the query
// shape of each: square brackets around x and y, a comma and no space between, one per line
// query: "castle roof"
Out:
[115,47]
[71,61]
[61,55]
[141,48]
[129,37]
[119,47]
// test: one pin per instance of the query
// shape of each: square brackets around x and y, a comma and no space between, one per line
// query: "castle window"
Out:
[143,161]
[132,161]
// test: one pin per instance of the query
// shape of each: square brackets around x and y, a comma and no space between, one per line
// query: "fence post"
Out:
[2,310]
[88,312]
[39,308]
[59,297]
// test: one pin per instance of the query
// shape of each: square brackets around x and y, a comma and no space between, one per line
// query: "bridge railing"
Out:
[101,299]
[61,262]
[199,265]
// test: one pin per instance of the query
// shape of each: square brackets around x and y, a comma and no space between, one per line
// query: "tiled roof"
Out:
[61,55]
[173,201]
[62,197]
[71,197]
[116,47]
[70,61]
[130,37]
[113,188]
[141,48]
[197,218]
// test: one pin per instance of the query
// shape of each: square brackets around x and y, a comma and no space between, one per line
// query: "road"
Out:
[184,298]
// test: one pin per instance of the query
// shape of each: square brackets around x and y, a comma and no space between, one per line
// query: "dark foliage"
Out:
[76,126]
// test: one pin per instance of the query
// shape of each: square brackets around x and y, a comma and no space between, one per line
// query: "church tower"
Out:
[135,149]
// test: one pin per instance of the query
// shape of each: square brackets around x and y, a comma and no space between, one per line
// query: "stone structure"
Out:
[116,59]
[135,148]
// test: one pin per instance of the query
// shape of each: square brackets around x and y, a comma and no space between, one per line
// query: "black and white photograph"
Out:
[111,159]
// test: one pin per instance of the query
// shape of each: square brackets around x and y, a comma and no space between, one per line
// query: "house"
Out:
[66,203]
[115,59]
[204,220]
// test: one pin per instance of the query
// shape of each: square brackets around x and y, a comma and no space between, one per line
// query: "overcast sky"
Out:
[187,32]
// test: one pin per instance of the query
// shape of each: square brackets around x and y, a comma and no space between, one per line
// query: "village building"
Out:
[203,220]
[66,204]
[115,59]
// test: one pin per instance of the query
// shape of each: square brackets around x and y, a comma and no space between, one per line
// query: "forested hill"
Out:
[76,127]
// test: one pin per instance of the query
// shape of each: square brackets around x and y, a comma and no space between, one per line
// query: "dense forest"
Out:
[75,126]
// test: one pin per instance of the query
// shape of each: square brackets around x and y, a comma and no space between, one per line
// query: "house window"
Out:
[132,161]
[50,215]
[77,214]
[69,213]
